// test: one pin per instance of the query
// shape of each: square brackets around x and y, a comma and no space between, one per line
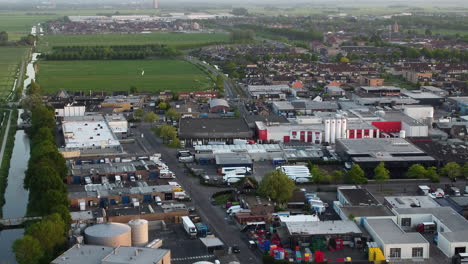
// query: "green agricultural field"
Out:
[10,59]
[119,75]
[177,40]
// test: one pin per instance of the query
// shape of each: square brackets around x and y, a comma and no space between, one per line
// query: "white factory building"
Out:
[88,133]
[452,228]
[70,110]
[396,243]
[327,127]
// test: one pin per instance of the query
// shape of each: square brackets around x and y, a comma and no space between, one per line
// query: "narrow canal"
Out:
[16,197]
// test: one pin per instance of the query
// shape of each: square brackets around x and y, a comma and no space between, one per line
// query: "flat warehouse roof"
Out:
[457,224]
[323,228]
[86,134]
[411,201]
[214,128]
[391,233]
[233,158]
[382,149]
[358,196]
[366,211]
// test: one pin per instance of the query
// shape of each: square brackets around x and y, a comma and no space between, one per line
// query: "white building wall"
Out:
[70,111]
[444,245]
[406,250]
[419,113]
[415,131]
[415,219]
[447,247]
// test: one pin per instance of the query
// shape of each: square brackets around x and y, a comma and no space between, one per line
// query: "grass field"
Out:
[119,75]
[178,40]
[10,59]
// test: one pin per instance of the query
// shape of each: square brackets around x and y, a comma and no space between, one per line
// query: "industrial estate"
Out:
[158,132]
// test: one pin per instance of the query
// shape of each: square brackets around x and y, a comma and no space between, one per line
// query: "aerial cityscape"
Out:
[233,132]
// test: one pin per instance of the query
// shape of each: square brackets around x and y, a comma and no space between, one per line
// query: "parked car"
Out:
[235,249]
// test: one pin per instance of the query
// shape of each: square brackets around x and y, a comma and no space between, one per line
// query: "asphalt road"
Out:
[211,215]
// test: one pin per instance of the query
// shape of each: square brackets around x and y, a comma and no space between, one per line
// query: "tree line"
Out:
[24,41]
[124,52]
[277,186]
[290,33]
[48,197]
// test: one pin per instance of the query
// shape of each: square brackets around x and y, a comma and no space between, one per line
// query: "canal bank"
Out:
[16,197]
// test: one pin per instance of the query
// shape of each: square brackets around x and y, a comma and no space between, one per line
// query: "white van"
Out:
[158,201]
[232,208]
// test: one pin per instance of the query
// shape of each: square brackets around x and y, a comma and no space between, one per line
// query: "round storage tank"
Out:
[111,235]
[139,232]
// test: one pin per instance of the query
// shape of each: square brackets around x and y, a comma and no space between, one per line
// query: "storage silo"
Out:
[109,234]
[139,232]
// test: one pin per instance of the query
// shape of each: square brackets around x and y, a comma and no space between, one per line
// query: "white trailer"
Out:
[232,178]
[235,170]
[189,227]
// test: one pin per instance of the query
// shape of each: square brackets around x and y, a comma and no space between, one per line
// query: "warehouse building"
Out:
[233,160]
[302,107]
[460,204]
[398,154]
[92,254]
[294,233]
[425,98]
[452,228]
[88,134]
[118,124]
[107,172]
[396,243]
[219,106]
[198,131]
[111,194]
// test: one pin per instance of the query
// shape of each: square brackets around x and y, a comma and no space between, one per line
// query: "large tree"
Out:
[49,232]
[452,170]
[416,171]
[355,175]
[277,186]
[172,114]
[319,175]
[465,170]
[337,176]
[42,117]
[151,117]
[431,173]
[381,174]
[138,114]
[28,250]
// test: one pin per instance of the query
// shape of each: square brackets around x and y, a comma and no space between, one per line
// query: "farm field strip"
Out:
[10,59]
[119,75]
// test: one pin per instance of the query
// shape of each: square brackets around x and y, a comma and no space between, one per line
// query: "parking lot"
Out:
[183,249]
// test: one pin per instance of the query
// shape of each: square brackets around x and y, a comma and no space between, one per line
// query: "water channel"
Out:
[16,197]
